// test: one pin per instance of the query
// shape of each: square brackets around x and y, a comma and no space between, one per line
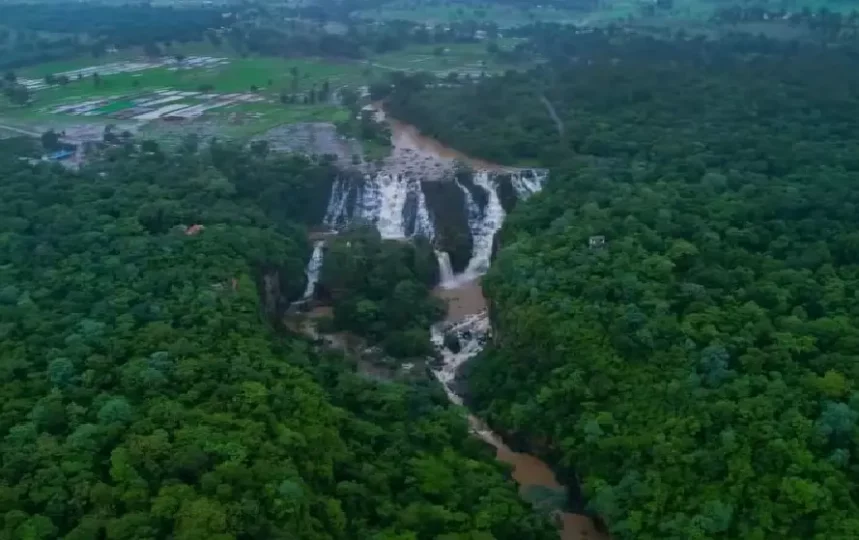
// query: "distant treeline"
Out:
[89,25]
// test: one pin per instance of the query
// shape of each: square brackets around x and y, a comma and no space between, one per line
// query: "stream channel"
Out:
[382,201]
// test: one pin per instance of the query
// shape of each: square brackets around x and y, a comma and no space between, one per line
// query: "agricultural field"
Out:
[232,97]
[214,95]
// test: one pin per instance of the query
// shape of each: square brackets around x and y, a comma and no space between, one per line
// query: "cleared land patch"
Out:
[211,95]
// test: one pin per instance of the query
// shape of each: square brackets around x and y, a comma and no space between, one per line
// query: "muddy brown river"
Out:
[528,471]
[413,152]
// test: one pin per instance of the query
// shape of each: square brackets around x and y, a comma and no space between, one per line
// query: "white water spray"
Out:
[471,333]
[446,275]
[314,266]
[381,200]
[484,227]
[393,192]
[335,213]
[423,223]
[528,182]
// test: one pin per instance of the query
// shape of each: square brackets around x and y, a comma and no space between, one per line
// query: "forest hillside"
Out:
[675,314]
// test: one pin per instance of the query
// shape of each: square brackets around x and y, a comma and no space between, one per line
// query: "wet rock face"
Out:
[506,192]
[271,292]
[451,342]
[448,210]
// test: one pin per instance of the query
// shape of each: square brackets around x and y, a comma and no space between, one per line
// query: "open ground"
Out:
[214,94]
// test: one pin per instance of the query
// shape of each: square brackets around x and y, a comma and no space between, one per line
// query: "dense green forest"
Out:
[31,35]
[380,289]
[696,371]
[675,316]
[121,25]
[145,395]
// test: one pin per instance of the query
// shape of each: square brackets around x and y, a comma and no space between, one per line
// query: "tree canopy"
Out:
[144,394]
[697,369]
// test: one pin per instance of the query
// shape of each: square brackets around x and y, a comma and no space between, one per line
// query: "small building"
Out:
[596,242]
[194,230]
[60,155]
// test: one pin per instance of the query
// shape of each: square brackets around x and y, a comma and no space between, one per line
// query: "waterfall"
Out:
[381,200]
[528,182]
[484,227]
[423,223]
[390,219]
[471,334]
[397,206]
[335,213]
[314,266]
[446,276]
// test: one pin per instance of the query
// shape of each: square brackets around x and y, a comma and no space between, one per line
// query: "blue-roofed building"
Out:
[60,155]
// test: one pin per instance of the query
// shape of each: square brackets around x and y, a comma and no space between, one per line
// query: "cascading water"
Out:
[471,334]
[528,182]
[393,192]
[314,266]
[445,269]
[483,225]
[335,213]
[423,223]
[381,200]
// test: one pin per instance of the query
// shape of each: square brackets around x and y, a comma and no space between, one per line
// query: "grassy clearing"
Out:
[268,75]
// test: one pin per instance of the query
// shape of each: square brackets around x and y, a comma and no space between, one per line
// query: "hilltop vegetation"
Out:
[698,372]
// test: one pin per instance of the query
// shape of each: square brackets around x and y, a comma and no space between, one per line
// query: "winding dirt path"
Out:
[553,113]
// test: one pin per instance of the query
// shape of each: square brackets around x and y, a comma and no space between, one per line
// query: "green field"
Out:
[267,77]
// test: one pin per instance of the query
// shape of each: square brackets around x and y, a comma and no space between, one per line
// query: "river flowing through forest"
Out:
[393,200]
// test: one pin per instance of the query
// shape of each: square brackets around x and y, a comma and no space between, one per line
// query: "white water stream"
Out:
[381,199]
[484,228]
[445,269]
[471,333]
[314,266]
